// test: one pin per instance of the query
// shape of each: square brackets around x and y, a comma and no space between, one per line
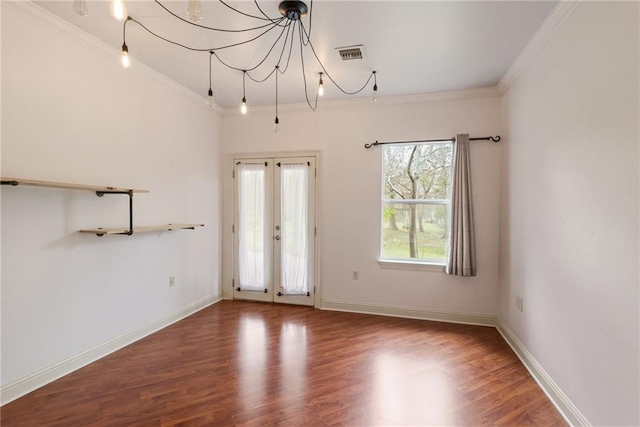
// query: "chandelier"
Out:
[288,27]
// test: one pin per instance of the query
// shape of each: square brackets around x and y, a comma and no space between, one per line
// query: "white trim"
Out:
[410,265]
[229,237]
[569,411]
[454,95]
[58,25]
[410,312]
[18,388]
[555,19]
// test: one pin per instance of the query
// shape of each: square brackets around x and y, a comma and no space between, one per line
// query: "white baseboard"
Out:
[560,400]
[410,312]
[22,386]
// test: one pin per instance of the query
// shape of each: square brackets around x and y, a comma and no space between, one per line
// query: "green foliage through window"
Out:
[416,202]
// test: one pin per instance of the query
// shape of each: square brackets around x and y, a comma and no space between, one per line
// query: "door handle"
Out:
[277,237]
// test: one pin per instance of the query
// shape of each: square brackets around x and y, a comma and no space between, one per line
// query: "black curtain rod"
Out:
[486,138]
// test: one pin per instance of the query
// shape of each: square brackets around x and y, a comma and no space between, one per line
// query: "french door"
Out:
[274,230]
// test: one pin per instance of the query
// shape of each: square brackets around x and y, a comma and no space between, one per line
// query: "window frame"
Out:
[413,263]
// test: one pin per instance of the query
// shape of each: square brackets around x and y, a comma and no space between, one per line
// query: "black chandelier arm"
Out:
[310,22]
[272,26]
[262,11]
[328,75]
[243,13]
[278,21]
[263,59]
[290,49]
[304,76]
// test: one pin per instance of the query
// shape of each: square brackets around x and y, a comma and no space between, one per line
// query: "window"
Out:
[416,201]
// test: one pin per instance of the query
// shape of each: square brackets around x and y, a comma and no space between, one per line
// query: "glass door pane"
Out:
[293,218]
[294,228]
[253,226]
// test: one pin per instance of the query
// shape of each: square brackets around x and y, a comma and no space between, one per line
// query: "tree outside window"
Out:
[416,202]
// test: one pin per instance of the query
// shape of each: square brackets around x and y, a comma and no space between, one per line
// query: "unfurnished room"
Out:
[320,213]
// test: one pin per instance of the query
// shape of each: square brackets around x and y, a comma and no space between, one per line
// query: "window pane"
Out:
[421,171]
[417,232]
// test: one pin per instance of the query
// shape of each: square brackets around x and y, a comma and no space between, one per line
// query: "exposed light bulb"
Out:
[124,59]
[320,87]
[276,126]
[118,10]
[243,107]
[375,92]
[194,10]
[210,102]
[80,7]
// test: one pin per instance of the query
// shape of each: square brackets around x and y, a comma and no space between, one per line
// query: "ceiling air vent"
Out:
[350,52]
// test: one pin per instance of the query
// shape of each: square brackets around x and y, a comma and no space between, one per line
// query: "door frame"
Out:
[228,213]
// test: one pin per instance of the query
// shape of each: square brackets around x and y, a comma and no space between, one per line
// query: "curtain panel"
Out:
[461,260]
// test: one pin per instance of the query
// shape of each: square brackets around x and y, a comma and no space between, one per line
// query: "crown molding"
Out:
[453,95]
[555,19]
[58,25]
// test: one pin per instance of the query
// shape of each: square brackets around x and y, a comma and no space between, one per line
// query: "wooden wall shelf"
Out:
[66,186]
[101,191]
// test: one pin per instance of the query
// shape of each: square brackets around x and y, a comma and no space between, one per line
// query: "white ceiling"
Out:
[415,46]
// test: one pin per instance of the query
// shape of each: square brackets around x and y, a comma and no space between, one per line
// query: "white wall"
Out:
[71,113]
[350,188]
[569,221]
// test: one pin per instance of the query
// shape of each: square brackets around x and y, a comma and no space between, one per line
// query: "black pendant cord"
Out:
[328,75]
[244,88]
[210,55]
[264,14]
[304,76]
[124,30]
[291,30]
[277,92]
[286,28]
[310,22]
[271,27]
[486,138]
[175,15]
[245,14]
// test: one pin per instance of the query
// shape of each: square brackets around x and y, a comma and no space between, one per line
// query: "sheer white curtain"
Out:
[252,220]
[462,250]
[295,220]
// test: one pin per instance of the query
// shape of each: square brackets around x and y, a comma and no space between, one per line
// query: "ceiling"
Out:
[415,46]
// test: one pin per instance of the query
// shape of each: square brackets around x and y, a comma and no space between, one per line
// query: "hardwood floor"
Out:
[257,364]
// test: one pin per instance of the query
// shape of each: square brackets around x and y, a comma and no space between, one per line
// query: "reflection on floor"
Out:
[243,363]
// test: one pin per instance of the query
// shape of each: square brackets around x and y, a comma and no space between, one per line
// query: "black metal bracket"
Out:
[238,289]
[280,294]
[14,183]
[130,194]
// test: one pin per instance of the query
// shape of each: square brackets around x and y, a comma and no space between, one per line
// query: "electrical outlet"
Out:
[355,275]
[519,303]
[172,280]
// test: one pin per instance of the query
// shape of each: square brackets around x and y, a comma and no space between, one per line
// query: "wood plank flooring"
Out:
[255,364]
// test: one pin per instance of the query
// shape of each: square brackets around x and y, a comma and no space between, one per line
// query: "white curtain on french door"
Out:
[294,205]
[252,218]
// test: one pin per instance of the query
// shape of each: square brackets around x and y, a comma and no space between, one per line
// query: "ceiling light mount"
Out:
[293,10]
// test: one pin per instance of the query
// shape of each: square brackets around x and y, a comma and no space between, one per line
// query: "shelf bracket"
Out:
[130,194]
[14,183]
